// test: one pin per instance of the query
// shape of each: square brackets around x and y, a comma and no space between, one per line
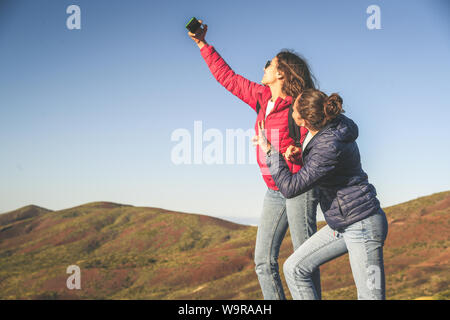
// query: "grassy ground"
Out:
[127,252]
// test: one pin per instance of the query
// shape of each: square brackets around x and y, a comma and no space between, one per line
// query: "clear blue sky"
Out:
[87,115]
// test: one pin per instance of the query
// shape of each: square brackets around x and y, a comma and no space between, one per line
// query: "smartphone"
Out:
[193,25]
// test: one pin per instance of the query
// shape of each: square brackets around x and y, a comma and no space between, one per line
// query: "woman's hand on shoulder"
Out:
[292,153]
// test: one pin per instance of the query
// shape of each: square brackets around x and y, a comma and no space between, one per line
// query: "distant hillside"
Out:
[127,252]
[123,252]
[22,213]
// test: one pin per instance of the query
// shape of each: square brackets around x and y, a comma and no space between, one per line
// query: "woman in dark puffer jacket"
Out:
[356,222]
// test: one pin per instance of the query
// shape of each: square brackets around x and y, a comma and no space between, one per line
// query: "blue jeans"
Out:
[363,240]
[278,213]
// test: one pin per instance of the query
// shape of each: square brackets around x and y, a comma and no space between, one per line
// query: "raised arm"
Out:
[241,87]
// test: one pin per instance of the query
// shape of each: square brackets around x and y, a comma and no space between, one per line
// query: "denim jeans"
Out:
[299,213]
[363,240]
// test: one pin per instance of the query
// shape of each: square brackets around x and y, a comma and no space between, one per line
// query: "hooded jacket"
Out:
[332,163]
[276,122]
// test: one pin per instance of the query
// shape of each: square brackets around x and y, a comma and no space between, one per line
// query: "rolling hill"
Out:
[128,252]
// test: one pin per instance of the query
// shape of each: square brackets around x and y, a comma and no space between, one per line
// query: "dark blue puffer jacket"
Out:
[332,163]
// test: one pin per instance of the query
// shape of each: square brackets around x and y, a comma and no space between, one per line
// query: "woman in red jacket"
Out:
[285,77]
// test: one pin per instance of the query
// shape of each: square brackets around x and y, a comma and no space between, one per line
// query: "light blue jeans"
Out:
[279,213]
[363,240]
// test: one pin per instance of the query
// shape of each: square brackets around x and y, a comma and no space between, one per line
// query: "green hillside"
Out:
[128,252]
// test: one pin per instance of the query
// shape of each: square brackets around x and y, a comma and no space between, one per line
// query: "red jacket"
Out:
[276,123]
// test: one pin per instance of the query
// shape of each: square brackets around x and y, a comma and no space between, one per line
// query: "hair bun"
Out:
[333,106]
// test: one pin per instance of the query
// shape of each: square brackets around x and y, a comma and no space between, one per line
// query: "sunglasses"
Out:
[267,64]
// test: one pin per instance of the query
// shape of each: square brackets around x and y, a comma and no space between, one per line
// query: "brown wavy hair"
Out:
[317,108]
[296,72]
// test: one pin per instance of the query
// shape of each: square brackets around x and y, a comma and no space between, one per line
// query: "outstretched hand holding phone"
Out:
[199,35]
